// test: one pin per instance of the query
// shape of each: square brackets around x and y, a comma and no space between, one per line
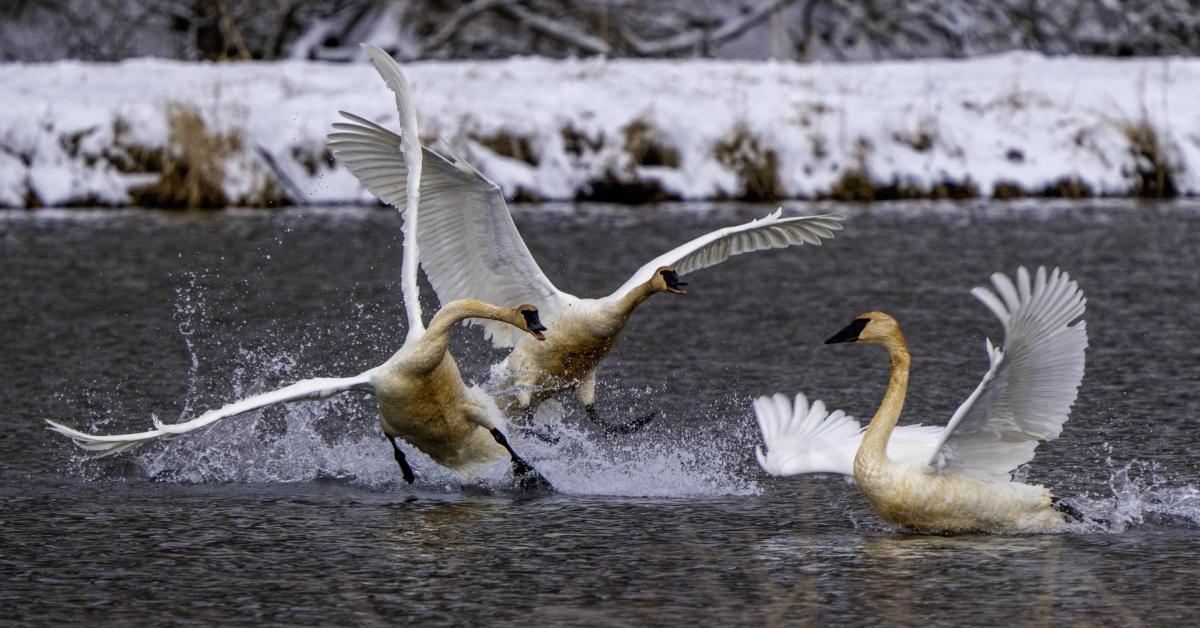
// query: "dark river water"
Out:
[298,515]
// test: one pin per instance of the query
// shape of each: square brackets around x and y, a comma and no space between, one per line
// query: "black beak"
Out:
[673,284]
[850,333]
[534,323]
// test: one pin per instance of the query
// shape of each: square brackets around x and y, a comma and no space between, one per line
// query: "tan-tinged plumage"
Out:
[470,247]
[584,334]
[422,397]
[956,479]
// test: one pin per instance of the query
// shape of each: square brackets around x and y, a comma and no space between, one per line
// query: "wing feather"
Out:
[409,145]
[806,438]
[1031,383]
[469,246]
[304,390]
[769,232]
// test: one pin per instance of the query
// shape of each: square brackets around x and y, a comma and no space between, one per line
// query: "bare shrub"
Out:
[755,166]
[191,165]
[646,147]
[510,145]
[578,143]
[1154,171]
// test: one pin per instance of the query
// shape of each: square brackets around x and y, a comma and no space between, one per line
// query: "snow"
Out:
[1018,119]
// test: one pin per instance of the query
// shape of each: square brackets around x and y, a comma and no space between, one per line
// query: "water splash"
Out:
[1141,494]
[340,439]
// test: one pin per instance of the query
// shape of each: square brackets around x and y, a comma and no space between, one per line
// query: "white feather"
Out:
[1027,393]
[410,147]
[769,232]
[802,438]
[470,247]
[305,390]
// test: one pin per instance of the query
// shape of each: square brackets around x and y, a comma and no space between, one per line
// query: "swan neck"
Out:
[455,312]
[874,443]
[634,298]
[436,340]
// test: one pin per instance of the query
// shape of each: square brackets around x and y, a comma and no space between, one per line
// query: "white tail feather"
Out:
[805,439]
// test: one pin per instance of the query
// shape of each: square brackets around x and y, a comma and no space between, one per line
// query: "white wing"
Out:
[807,439]
[409,146]
[769,232]
[470,247]
[1026,395]
[309,389]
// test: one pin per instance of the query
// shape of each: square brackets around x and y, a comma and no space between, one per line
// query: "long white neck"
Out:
[873,449]
[622,308]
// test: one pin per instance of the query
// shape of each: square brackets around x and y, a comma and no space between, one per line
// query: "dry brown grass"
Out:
[1155,172]
[313,163]
[755,166]
[577,143]
[510,145]
[191,166]
[646,146]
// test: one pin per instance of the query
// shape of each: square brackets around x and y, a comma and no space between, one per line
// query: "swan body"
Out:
[957,478]
[421,395]
[470,247]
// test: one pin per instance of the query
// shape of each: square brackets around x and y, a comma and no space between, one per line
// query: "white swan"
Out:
[422,398]
[470,246]
[956,478]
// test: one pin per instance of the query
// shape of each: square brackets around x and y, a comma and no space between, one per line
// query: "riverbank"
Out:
[170,134]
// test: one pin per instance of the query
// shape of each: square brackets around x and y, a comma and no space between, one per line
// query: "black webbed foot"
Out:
[534,483]
[527,477]
[543,434]
[629,427]
[405,470]
[1074,513]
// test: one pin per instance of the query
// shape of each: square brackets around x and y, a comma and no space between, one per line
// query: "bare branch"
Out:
[557,30]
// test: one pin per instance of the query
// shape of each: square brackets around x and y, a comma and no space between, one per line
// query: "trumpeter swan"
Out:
[421,395]
[470,247]
[957,478]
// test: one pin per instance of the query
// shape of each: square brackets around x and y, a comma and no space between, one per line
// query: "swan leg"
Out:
[528,477]
[586,391]
[527,428]
[1073,514]
[628,427]
[399,454]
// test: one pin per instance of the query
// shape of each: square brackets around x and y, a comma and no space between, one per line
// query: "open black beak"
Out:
[850,333]
[534,323]
[674,286]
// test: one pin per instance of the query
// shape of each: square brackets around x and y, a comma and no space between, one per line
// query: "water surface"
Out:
[298,515]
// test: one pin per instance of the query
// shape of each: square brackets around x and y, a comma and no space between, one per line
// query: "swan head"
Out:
[665,279]
[874,328]
[530,321]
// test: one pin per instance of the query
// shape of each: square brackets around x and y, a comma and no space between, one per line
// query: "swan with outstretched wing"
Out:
[957,478]
[421,395]
[471,247]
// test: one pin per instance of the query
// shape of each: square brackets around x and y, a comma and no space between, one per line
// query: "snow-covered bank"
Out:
[160,132]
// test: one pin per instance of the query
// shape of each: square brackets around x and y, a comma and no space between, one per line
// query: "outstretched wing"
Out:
[305,390]
[769,232]
[803,438]
[1027,393]
[469,246]
[409,146]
